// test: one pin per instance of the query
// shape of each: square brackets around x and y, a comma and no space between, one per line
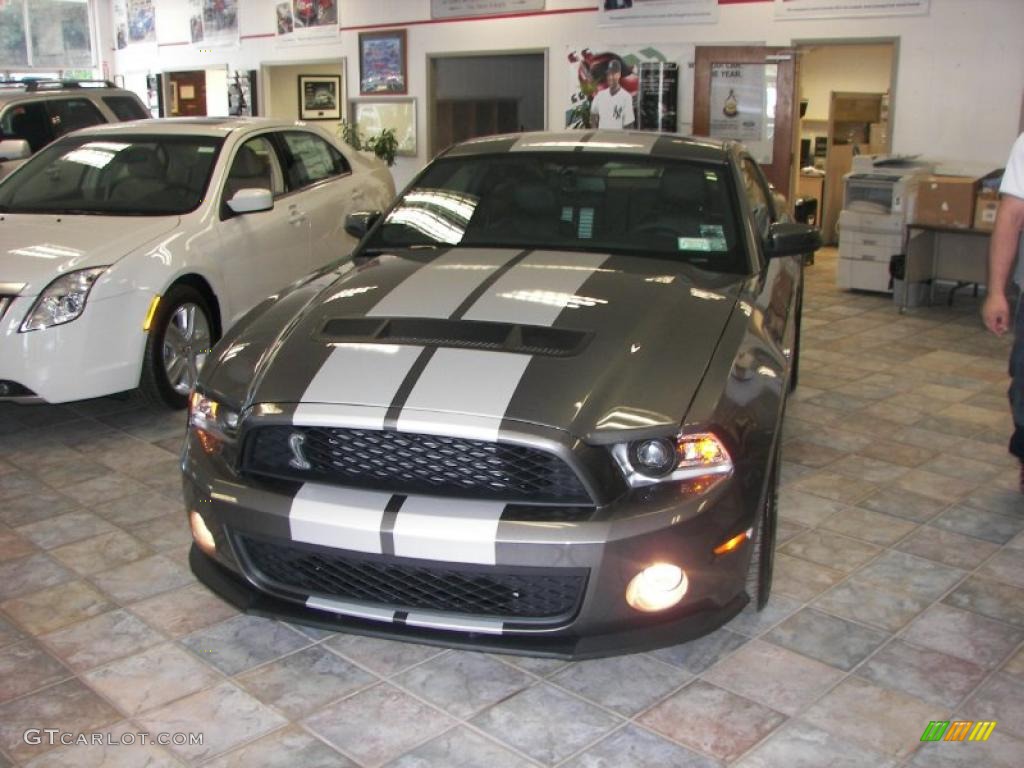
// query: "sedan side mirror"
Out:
[251,200]
[358,223]
[14,149]
[791,239]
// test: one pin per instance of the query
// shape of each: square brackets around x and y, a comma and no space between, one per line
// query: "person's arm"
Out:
[1001,253]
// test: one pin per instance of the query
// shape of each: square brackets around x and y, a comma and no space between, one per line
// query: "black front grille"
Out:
[549,594]
[400,462]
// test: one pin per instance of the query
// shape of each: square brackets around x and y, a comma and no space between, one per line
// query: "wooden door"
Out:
[188,89]
[750,68]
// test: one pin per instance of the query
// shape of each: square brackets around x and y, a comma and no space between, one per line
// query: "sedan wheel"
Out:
[186,346]
[179,342]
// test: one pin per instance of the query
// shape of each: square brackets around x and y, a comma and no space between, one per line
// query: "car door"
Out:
[263,251]
[27,120]
[777,299]
[329,191]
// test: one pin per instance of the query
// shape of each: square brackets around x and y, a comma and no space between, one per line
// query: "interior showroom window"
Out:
[45,34]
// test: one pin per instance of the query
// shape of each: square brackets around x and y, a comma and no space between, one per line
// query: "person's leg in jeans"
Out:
[1017,387]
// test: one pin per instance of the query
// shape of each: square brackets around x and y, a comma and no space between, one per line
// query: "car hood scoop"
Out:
[456,334]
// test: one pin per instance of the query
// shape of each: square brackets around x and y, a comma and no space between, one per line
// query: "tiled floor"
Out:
[898,599]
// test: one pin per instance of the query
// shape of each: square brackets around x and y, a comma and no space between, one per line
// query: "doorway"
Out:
[196,93]
[846,89]
[281,94]
[473,95]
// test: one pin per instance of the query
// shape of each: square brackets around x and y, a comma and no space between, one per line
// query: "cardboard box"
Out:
[946,201]
[985,210]
[947,198]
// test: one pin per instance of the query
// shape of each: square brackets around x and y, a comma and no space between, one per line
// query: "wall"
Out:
[959,80]
[823,69]
[280,97]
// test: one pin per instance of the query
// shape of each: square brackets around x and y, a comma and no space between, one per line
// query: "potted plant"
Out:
[384,144]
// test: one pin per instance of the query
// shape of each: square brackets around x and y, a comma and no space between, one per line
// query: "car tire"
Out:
[762,555]
[180,338]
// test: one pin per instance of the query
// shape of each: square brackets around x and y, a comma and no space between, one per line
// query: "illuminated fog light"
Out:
[202,535]
[657,587]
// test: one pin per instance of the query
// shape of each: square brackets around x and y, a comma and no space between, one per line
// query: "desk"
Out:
[944,253]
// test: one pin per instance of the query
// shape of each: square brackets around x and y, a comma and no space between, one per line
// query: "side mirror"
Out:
[14,149]
[251,200]
[791,239]
[358,223]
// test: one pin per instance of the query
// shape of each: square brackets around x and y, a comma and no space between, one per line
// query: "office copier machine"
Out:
[878,201]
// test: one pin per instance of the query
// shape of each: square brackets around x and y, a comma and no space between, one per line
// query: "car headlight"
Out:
[212,423]
[62,301]
[662,459]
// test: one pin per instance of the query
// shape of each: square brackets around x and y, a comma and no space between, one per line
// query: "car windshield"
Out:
[645,206]
[118,175]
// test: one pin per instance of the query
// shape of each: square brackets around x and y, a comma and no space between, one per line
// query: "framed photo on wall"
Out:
[320,97]
[372,116]
[382,63]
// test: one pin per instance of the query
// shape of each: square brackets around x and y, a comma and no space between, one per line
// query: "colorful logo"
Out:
[958,730]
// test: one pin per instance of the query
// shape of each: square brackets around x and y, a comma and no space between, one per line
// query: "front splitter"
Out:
[248,599]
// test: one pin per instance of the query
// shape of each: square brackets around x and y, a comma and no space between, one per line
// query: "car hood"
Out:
[36,248]
[591,343]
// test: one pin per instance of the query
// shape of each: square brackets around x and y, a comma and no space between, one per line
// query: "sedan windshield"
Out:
[128,175]
[644,206]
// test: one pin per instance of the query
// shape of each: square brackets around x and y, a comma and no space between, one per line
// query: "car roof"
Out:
[663,145]
[192,126]
[12,92]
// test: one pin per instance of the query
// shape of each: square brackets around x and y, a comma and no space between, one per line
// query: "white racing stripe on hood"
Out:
[450,530]
[482,382]
[345,518]
[363,374]
[437,289]
[371,374]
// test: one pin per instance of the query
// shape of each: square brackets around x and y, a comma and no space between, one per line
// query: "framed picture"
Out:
[372,116]
[382,68]
[320,97]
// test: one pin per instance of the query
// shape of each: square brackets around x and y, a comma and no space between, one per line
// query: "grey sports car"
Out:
[537,410]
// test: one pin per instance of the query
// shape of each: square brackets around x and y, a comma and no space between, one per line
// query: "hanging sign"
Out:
[452,9]
[738,96]
[655,12]
[299,21]
[831,9]
[213,22]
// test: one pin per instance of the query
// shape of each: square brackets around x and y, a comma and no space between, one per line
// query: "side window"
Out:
[310,159]
[68,115]
[254,166]
[28,121]
[757,195]
[126,108]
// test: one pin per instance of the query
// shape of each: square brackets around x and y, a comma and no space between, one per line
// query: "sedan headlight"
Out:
[61,301]
[212,423]
[662,459]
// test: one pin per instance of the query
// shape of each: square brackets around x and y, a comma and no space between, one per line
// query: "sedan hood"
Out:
[39,247]
[590,343]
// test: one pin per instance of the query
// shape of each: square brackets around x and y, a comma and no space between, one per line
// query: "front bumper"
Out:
[94,355]
[610,544]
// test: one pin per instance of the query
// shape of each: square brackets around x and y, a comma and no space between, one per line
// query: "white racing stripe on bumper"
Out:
[449,530]
[456,623]
[346,608]
[345,518]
